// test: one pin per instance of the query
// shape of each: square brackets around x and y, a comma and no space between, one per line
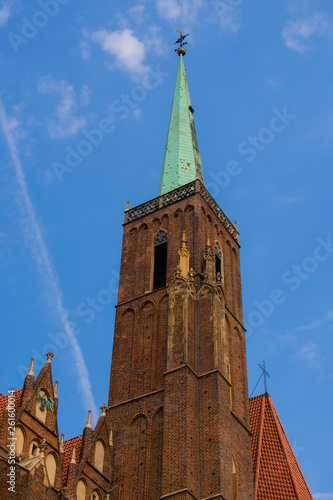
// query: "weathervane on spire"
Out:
[181,50]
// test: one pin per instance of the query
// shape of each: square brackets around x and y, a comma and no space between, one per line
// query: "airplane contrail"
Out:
[43,259]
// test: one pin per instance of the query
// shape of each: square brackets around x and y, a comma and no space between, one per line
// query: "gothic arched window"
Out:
[160,260]
[218,258]
[99,455]
[51,467]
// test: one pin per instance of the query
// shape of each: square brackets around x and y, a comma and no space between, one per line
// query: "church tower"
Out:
[178,401]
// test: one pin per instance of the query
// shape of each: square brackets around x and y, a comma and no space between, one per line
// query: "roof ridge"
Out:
[71,439]
[261,431]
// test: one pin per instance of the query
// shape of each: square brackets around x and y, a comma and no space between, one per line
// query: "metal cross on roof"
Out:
[265,374]
[181,39]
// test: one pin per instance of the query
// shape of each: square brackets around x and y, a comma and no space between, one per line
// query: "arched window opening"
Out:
[160,260]
[51,467]
[99,456]
[218,258]
[34,450]
[95,496]
[81,490]
[19,440]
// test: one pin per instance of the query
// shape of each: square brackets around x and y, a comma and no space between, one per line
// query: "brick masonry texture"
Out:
[179,353]
[177,424]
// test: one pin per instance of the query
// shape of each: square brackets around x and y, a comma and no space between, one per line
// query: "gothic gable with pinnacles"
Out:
[46,465]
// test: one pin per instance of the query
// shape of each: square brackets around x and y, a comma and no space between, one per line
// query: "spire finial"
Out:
[32,366]
[88,424]
[49,356]
[56,388]
[103,408]
[73,459]
[181,50]
[62,441]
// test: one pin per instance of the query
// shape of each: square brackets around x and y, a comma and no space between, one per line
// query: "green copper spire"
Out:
[182,162]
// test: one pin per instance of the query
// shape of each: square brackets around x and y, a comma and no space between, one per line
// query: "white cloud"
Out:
[308,352]
[169,9]
[323,496]
[231,22]
[137,13]
[4,13]
[40,253]
[128,51]
[318,323]
[153,41]
[85,95]
[229,15]
[178,10]
[85,50]
[298,34]
[67,123]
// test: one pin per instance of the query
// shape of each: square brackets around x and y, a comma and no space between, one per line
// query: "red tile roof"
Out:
[68,450]
[4,402]
[276,470]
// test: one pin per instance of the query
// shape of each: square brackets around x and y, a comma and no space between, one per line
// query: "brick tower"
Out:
[178,402]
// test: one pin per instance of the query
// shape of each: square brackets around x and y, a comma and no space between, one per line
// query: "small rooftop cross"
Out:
[181,50]
[265,374]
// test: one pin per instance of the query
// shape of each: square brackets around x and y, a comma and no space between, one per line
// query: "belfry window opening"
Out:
[160,260]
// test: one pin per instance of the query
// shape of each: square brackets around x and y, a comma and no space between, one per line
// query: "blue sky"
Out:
[86,91]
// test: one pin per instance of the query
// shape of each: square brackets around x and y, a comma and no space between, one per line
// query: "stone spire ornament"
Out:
[62,441]
[104,409]
[56,388]
[88,424]
[49,356]
[184,258]
[209,259]
[32,367]
[73,459]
